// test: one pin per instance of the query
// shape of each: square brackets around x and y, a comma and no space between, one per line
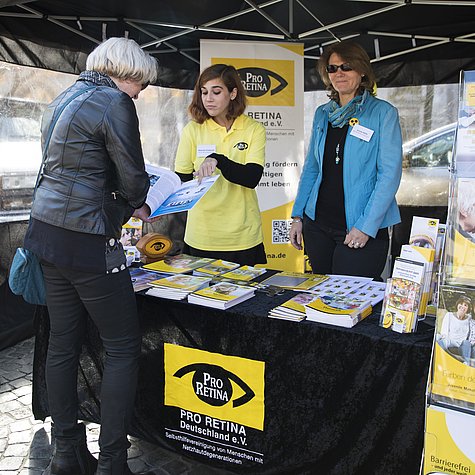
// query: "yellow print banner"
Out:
[225,387]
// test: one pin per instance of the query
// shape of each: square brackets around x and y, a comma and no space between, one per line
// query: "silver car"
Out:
[425,175]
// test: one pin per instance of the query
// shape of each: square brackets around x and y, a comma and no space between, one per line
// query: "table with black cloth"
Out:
[337,401]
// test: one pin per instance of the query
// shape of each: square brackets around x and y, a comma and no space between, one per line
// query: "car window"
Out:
[435,152]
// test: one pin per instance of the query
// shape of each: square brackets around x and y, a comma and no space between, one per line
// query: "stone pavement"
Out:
[25,444]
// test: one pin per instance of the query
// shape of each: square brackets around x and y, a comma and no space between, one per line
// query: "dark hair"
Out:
[231,80]
[357,58]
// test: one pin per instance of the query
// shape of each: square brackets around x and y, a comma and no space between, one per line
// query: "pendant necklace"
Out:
[337,149]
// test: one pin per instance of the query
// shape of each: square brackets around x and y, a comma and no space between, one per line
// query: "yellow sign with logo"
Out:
[266,82]
[228,388]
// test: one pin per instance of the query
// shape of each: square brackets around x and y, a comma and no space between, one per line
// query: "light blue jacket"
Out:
[371,170]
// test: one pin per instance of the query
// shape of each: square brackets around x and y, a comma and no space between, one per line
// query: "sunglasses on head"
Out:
[333,68]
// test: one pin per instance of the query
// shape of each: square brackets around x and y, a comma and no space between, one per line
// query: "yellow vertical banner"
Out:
[272,75]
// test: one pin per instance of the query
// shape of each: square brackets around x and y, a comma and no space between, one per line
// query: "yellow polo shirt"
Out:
[227,218]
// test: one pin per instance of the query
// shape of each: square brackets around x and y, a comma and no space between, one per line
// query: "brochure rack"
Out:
[450,405]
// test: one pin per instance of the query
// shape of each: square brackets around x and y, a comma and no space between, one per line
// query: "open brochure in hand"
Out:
[222,295]
[244,273]
[179,264]
[293,309]
[294,280]
[215,268]
[342,311]
[177,287]
[168,195]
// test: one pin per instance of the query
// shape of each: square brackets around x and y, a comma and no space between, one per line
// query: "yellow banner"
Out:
[228,388]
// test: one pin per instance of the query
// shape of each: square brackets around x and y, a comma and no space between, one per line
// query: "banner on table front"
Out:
[227,388]
[272,75]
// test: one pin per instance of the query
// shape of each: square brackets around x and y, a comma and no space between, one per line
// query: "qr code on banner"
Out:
[280,231]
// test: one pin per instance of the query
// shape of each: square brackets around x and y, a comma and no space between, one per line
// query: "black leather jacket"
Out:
[94,175]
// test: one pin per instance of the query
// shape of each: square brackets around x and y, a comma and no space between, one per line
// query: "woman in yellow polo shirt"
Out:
[221,139]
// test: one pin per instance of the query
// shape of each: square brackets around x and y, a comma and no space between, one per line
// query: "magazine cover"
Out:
[460,258]
[454,349]
[294,308]
[221,295]
[342,311]
[217,267]
[182,282]
[424,232]
[244,273]
[178,264]
[448,442]
[141,278]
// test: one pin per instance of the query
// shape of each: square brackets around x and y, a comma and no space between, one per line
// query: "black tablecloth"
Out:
[337,401]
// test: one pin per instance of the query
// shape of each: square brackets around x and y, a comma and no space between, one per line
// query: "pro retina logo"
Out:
[212,384]
[257,81]
[241,146]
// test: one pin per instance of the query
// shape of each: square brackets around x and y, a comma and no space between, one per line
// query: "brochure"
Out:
[141,278]
[403,296]
[244,273]
[177,287]
[460,257]
[454,352]
[294,308]
[168,195]
[222,295]
[342,311]
[215,268]
[178,264]
[294,280]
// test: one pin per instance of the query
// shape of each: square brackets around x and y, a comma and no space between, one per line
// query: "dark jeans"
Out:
[110,301]
[328,255]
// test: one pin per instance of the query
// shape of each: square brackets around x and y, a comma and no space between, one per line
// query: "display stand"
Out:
[450,408]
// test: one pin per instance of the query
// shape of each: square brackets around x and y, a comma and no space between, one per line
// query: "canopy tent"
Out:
[410,42]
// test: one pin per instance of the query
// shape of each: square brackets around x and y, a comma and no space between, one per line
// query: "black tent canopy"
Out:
[410,42]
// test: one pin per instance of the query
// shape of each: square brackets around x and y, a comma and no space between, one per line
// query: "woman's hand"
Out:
[295,234]
[143,213]
[207,168]
[356,239]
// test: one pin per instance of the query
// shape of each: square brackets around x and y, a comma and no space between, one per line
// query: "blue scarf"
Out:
[339,116]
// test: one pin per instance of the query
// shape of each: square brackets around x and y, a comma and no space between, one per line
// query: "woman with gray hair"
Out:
[93,180]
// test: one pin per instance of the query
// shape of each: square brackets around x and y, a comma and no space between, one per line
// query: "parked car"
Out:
[425,175]
[424,184]
[20,150]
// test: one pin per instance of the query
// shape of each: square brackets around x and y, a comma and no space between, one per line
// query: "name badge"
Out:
[361,132]
[205,150]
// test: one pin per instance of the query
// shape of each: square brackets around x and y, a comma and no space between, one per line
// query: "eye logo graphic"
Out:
[241,146]
[212,384]
[257,81]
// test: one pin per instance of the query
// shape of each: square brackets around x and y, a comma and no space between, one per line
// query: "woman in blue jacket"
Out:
[346,196]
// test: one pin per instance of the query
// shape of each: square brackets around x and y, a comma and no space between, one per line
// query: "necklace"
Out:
[337,148]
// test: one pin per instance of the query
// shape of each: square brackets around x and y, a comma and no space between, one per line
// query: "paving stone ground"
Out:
[25,444]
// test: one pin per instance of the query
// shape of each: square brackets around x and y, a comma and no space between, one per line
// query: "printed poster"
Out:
[272,75]
[218,405]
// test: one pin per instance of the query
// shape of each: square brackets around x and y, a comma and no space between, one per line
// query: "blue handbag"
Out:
[26,277]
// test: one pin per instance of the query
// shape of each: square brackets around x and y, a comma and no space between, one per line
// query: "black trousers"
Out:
[328,255]
[110,301]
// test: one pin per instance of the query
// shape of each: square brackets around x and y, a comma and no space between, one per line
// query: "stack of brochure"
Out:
[215,268]
[142,278]
[244,273]
[221,295]
[177,287]
[293,309]
[341,311]
[179,264]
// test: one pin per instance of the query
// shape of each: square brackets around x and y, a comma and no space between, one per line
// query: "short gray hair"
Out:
[123,58]
[466,196]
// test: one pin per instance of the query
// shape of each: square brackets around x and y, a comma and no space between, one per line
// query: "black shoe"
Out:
[72,457]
